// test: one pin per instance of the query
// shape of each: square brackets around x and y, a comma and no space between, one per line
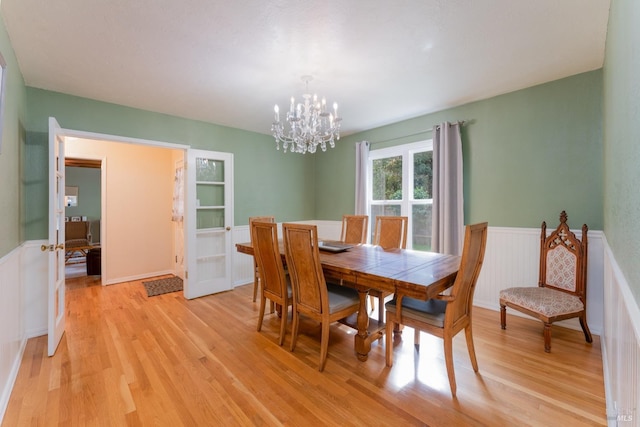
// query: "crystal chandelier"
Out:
[309,124]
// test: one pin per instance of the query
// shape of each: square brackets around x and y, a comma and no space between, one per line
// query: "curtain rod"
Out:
[460,122]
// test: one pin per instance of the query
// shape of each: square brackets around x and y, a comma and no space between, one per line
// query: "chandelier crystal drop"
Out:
[307,124]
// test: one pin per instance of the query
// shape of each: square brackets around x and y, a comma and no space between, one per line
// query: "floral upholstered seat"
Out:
[562,286]
[545,301]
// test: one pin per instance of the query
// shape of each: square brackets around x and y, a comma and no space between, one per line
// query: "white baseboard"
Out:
[138,277]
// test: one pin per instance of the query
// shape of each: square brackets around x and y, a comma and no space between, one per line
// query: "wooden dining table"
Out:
[416,274]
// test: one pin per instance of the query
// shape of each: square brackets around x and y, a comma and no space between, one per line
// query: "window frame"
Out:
[406,151]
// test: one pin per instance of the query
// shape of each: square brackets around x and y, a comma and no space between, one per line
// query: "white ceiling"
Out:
[229,62]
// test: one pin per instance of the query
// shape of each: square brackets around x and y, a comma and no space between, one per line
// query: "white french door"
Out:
[209,220]
[55,248]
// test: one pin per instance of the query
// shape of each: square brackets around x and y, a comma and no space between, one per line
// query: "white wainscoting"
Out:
[12,341]
[620,342]
[35,286]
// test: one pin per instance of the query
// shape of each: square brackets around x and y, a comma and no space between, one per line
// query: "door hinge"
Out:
[186,274]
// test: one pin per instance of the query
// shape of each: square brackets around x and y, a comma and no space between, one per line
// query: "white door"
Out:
[209,220]
[55,248]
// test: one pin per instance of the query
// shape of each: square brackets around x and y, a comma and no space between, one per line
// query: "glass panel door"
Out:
[209,221]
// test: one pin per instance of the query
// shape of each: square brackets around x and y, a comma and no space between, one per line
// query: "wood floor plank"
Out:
[127,359]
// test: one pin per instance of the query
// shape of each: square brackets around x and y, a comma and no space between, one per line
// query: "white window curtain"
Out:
[448,212]
[362,157]
[177,211]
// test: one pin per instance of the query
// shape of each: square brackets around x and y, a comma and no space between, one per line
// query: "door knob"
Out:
[228,228]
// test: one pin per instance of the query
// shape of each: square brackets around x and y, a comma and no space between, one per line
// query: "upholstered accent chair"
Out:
[562,286]
[445,315]
[312,295]
[256,273]
[274,282]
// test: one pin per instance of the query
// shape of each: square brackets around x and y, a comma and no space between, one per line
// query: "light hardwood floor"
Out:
[126,359]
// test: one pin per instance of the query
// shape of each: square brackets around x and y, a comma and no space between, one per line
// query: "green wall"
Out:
[88,181]
[11,154]
[528,155]
[622,139]
[266,181]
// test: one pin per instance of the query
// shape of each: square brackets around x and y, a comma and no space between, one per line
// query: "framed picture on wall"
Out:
[76,218]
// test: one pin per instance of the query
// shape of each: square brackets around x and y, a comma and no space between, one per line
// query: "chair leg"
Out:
[472,351]
[255,282]
[263,302]
[585,328]
[294,328]
[372,300]
[416,339]
[448,358]
[381,308]
[324,345]
[503,316]
[389,341]
[283,325]
[547,337]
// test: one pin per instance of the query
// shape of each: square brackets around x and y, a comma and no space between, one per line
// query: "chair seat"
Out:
[548,302]
[75,243]
[341,297]
[430,311]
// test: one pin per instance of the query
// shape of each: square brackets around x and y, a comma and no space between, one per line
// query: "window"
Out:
[400,183]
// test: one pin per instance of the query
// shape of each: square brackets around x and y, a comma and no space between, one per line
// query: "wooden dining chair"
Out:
[312,296]
[354,229]
[390,233]
[256,274]
[445,315]
[274,283]
[562,284]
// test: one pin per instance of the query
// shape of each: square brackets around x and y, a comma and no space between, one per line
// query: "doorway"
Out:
[144,175]
[136,236]
[83,199]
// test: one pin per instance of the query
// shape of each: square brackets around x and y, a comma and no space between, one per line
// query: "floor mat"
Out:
[163,286]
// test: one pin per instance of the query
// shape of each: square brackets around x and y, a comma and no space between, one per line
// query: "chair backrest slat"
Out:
[268,258]
[563,259]
[354,229]
[253,219]
[391,232]
[475,241]
[305,270]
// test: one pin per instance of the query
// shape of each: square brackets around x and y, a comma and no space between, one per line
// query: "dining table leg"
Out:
[362,341]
